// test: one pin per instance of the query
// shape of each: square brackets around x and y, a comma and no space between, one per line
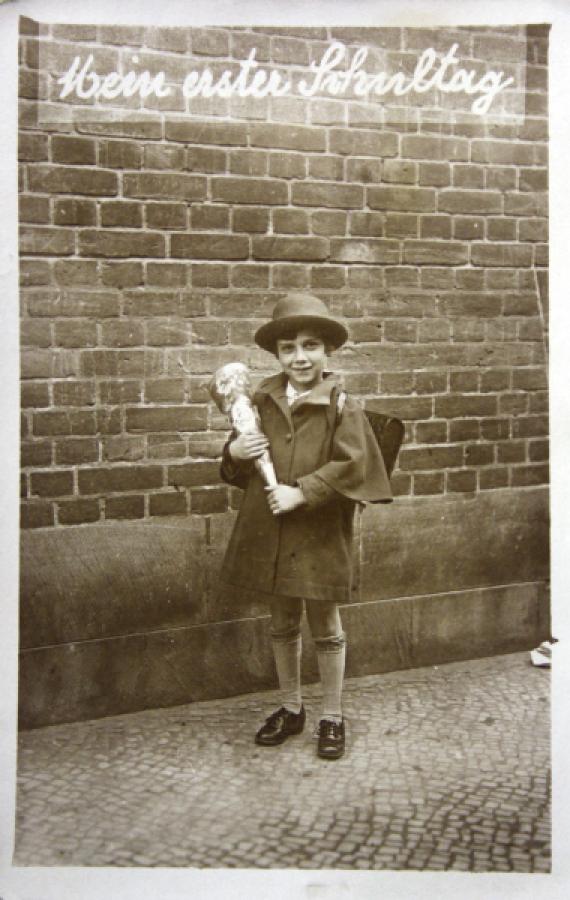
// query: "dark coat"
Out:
[336,462]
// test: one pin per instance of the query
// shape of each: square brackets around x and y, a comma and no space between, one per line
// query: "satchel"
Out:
[388,431]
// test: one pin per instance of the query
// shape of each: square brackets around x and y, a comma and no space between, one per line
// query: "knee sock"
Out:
[331,669]
[288,663]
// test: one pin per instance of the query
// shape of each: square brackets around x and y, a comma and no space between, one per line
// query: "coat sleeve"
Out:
[235,472]
[355,469]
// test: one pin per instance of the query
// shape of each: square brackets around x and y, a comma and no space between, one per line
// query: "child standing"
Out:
[293,542]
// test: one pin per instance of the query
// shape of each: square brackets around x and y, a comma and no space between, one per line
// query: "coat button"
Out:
[288,438]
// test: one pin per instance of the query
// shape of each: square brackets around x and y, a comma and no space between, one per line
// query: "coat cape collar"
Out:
[275,387]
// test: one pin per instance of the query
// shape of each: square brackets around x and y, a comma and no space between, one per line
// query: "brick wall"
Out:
[155,241]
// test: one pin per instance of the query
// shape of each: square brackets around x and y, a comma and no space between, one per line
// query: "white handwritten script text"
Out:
[333,75]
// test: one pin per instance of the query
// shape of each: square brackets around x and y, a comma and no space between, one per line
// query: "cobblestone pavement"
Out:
[446,768]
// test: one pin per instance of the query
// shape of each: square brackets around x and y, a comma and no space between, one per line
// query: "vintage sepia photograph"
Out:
[284,461]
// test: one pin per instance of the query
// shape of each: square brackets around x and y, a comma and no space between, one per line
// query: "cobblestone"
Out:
[446,768]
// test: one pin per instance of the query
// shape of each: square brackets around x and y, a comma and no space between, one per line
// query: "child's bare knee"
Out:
[286,613]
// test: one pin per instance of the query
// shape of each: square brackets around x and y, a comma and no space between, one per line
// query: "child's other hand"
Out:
[248,446]
[284,498]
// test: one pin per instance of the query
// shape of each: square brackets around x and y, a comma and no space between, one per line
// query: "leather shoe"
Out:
[279,726]
[331,739]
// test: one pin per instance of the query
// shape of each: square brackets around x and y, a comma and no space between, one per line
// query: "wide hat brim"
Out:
[332,331]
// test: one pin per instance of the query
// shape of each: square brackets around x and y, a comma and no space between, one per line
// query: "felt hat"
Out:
[297,312]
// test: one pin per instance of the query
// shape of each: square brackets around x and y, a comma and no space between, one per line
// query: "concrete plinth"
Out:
[124,617]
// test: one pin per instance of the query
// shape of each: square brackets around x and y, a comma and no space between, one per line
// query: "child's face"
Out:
[303,359]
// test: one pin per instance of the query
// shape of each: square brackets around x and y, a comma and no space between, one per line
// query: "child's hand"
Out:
[284,498]
[248,446]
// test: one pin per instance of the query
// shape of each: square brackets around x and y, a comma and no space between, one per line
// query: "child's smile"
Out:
[303,359]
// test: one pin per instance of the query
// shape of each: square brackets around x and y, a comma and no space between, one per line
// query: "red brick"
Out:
[358,142]
[495,429]
[529,379]
[51,422]
[526,476]
[123,448]
[434,330]
[75,272]
[249,190]
[533,229]
[435,252]
[500,178]
[435,174]
[217,133]
[367,224]
[430,382]
[127,333]
[167,274]
[73,151]
[401,198]
[511,452]
[305,249]
[36,515]
[468,227]
[76,451]
[533,180]
[503,153]
[66,180]
[73,393]
[244,162]
[74,212]
[328,277]
[506,255]
[501,229]
[122,274]
[34,394]
[118,213]
[465,405]
[464,430]
[461,482]
[77,512]
[252,220]
[51,484]
[250,276]
[164,334]
[124,507]
[428,483]
[471,304]
[32,147]
[164,390]
[479,454]
[209,246]
[290,221]
[164,186]
[287,165]
[194,474]
[168,504]
[401,225]
[493,478]
[430,457]
[210,276]
[33,209]
[166,215]
[423,147]
[173,418]
[538,451]
[208,500]
[288,137]
[121,244]
[468,202]
[35,333]
[331,168]
[431,432]
[206,218]
[120,154]
[289,277]
[119,478]
[329,222]
[369,251]
[161,156]
[530,426]
[338,196]
[46,242]
[368,171]
[435,227]
[34,272]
